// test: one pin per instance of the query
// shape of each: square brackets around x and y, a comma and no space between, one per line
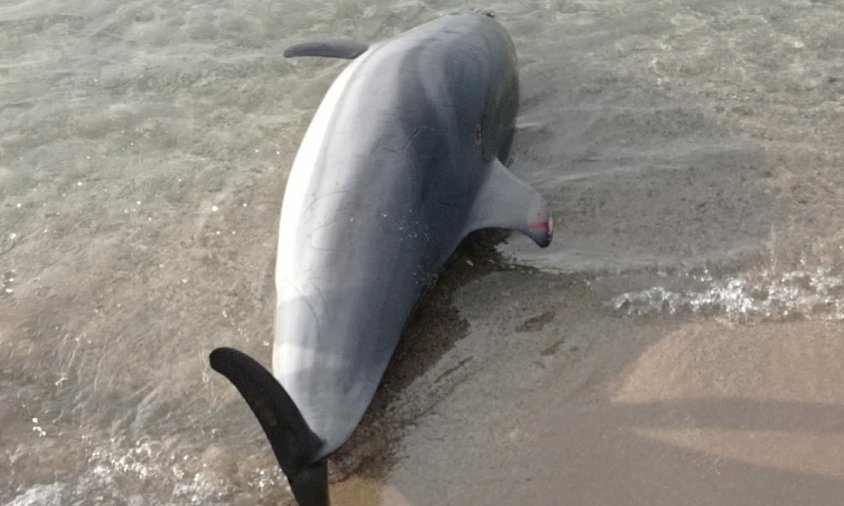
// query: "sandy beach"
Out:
[680,342]
[662,412]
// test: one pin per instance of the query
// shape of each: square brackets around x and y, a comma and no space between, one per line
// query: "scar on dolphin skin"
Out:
[439,104]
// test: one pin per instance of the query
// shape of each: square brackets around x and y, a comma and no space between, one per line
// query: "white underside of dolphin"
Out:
[401,161]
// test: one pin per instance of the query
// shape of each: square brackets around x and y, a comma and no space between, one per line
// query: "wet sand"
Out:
[679,343]
[585,408]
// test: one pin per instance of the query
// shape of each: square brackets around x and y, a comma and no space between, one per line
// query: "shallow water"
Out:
[690,150]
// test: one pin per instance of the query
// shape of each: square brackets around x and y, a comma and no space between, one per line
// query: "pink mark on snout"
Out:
[544,225]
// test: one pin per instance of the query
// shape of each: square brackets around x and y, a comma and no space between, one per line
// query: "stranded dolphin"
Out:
[401,161]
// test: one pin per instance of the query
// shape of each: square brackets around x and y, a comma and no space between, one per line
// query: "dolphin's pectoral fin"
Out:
[295,445]
[505,201]
[340,48]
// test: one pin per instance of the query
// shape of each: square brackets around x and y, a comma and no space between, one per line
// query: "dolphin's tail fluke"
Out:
[295,445]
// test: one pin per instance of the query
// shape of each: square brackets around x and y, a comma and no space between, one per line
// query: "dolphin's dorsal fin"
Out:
[339,48]
[505,201]
[295,445]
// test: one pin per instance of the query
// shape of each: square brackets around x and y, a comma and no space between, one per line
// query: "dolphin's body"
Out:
[400,163]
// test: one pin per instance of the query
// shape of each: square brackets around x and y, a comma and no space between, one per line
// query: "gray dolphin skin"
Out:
[401,161]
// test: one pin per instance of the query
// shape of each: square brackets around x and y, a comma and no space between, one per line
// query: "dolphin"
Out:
[402,160]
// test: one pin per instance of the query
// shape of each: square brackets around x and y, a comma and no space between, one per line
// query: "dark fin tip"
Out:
[310,486]
[295,445]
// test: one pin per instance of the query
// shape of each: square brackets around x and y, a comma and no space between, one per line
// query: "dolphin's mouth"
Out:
[537,229]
